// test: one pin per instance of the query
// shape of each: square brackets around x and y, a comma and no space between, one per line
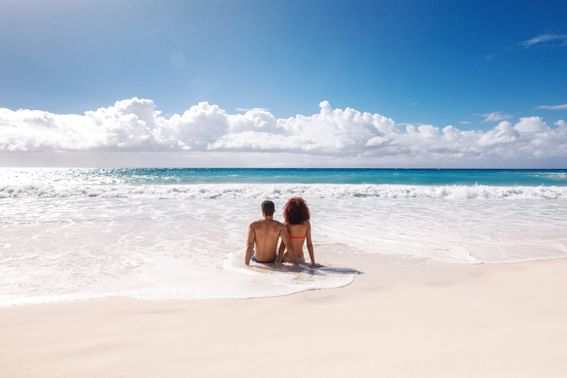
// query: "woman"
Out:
[296,215]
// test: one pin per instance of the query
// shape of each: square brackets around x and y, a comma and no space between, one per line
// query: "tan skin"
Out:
[299,233]
[264,234]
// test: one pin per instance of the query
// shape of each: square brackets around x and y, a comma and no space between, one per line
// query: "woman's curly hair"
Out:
[296,211]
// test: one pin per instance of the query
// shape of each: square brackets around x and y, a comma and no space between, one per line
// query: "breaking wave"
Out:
[278,191]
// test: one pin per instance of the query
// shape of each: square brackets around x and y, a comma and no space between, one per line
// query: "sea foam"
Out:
[279,191]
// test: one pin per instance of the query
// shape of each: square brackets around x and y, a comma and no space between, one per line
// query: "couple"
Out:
[266,232]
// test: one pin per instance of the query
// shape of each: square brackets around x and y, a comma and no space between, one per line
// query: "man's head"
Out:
[268,208]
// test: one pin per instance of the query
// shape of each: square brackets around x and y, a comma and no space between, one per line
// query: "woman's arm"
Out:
[310,243]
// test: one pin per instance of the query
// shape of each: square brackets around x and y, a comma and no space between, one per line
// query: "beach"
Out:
[395,320]
[140,273]
[283,189]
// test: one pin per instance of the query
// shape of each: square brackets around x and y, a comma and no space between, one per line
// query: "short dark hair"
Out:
[296,211]
[268,207]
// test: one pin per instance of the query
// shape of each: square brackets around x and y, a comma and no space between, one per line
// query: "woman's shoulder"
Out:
[304,226]
[300,225]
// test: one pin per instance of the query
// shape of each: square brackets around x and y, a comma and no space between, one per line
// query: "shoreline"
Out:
[388,261]
[438,320]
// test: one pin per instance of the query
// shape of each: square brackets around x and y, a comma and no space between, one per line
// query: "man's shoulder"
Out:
[271,222]
[277,224]
[261,222]
[266,223]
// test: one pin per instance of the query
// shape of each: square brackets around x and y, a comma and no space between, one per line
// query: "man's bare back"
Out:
[264,234]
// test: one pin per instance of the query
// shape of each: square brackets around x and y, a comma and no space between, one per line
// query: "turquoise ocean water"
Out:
[497,177]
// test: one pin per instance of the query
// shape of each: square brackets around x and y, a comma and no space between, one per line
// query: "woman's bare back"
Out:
[299,234]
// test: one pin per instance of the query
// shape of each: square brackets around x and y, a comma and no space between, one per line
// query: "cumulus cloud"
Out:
[560,39]
[136,125]
[553,107]
[495,117]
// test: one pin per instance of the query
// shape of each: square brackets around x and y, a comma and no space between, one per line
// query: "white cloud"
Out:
[553,107]
[504,133]
[495,117]
[330,131]
[542,40]
[531,125]
[545,38]
[135,125]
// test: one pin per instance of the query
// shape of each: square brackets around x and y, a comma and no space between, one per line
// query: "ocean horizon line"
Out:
[287,168]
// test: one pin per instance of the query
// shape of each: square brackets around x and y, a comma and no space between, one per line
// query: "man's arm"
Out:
[286,242]
[310,244]
[250,244]
[281,251]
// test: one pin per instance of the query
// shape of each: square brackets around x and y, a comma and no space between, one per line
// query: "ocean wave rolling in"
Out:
[180,233]
[137,176]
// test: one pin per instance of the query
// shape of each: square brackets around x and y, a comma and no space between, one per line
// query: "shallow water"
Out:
[65,235]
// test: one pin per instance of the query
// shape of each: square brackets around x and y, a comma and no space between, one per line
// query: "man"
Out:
[265,233]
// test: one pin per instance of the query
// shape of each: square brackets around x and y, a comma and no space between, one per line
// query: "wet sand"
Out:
[395,320]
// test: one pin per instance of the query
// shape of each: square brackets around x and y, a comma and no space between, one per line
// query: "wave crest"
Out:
[278,191]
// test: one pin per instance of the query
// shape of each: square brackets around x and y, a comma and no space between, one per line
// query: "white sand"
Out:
[505,320]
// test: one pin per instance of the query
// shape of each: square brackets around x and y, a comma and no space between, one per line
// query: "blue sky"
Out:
[434,62]
[495,68]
